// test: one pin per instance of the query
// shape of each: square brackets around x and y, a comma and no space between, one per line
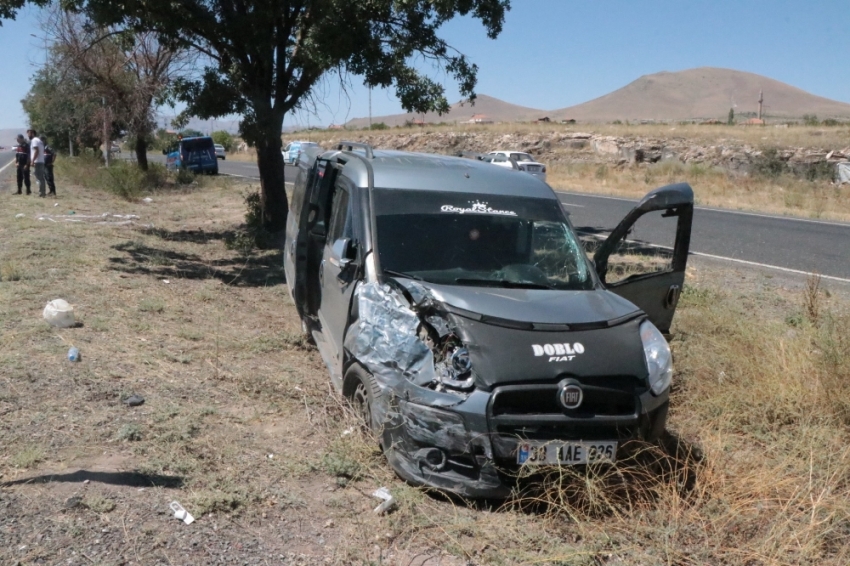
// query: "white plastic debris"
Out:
[20,215]
[388,503]
[347,431]
[147,199]
[180,513]
[59,313]
[55,205]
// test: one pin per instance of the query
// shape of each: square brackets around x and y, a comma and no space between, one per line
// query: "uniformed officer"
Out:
[22,162]
[49,158]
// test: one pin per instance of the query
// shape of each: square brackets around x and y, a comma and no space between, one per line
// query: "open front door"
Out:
[309,240]
[644,258]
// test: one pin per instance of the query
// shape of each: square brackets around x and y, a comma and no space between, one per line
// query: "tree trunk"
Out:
[142,152]
[272,185]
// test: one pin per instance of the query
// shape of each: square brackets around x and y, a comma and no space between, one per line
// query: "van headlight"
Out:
[659,360]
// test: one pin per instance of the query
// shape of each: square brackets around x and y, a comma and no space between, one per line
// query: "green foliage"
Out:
[122,178]
[247,73]
[831,122]
[163,139]
[769,164]
[730,120]
[253,234]
[810,120]
[223,138]
[380,126]
[57,106]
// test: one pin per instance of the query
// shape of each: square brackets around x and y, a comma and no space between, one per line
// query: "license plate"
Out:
[565,453]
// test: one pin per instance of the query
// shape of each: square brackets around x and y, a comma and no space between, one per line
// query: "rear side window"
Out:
[340,226]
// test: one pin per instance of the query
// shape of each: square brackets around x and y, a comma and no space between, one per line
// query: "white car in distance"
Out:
[220,153]
[524,162]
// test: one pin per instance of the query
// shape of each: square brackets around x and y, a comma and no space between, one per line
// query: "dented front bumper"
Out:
[467,450]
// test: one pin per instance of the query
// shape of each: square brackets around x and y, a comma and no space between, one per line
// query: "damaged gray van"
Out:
[457,309]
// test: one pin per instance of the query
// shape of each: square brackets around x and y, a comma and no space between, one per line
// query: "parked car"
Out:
[219,151]
[197,154]
[294,149]
[114,147]
[523,161]
[457,310]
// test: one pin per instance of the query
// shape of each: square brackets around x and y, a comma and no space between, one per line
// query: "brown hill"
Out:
[494,109]
[703,93]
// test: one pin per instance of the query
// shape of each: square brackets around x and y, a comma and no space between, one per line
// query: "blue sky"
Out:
[556,53]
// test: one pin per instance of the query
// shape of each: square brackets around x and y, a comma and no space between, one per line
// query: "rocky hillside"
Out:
[558,147]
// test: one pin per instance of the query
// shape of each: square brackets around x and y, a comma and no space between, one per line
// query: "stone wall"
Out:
[557,147]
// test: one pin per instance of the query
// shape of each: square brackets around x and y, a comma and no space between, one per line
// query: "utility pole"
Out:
[106,147]
[370,108]
[761,99]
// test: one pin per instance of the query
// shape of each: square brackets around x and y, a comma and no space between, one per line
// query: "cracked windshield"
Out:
[462,240]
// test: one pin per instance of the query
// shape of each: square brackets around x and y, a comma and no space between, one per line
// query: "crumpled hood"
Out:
[534,305]
[538,335]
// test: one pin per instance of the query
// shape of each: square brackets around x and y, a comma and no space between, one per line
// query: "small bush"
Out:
[99,504]
[185,176]
[253,234]
[769,164]
[129,432]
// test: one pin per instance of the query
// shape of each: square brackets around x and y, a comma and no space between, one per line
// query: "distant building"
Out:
[754,122]
[479,119]
[543,119]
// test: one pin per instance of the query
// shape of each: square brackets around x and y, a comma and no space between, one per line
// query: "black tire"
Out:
[361,389]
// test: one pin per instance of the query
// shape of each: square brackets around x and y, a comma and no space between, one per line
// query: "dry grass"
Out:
[768,136]
[240,425]
[579,170]
[712,187]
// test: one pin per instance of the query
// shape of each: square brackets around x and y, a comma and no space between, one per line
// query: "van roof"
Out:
[426,171]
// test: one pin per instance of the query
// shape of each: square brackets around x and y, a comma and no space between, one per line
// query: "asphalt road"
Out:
[741,237]
[244,169]
[788,244]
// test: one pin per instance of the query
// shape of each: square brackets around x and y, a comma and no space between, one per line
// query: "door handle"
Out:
[672,298]
[322,274]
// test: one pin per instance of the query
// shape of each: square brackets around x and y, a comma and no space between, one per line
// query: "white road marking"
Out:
[732,259]
[713,209]
[4,167]
[571,204]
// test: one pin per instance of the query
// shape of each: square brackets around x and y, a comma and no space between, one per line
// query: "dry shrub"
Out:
[766,476]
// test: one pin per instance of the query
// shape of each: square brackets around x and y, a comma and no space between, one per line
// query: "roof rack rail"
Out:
[351,146]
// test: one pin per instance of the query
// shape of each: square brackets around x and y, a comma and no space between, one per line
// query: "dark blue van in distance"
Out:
[195,154]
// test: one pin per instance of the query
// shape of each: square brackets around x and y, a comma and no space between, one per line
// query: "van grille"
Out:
[603,397]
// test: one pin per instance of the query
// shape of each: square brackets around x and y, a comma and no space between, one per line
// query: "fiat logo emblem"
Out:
[570,396]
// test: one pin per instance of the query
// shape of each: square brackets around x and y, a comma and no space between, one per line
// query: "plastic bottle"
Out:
[74,354]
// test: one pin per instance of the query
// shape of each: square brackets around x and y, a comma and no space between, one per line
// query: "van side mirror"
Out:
[343,252]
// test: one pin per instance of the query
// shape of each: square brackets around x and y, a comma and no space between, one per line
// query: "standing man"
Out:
[22,163]
[37,161]
[49,158]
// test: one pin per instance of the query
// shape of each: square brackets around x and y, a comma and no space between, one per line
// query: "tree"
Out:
[731,119]
[130,71]
[59,106]
[264,57]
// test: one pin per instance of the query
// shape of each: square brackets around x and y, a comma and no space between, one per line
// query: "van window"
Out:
[340,226]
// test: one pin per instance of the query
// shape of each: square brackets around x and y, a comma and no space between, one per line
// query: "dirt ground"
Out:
[239,423]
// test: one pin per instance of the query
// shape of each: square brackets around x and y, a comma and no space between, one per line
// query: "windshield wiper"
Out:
[501,283]
[401,274]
